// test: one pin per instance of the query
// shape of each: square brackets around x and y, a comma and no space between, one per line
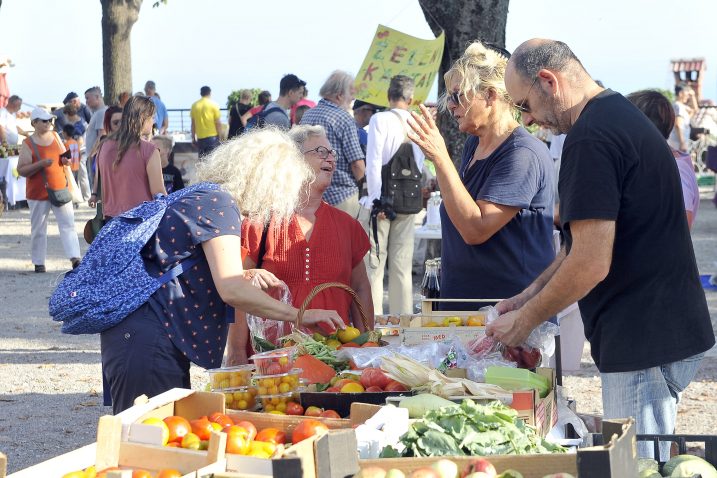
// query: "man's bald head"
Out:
[539,53]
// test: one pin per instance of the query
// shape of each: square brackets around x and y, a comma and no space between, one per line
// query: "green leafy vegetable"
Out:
[471,429]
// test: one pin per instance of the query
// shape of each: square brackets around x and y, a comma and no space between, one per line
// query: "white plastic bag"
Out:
[268,329]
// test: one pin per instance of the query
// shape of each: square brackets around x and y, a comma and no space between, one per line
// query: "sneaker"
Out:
[75,262]
[40,268]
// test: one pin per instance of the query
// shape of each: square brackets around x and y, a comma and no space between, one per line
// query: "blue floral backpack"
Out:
[111,281]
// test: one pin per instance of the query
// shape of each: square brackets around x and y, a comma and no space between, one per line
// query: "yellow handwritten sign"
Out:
[394,53]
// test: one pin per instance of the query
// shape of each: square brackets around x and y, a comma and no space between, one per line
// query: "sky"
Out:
[233,44]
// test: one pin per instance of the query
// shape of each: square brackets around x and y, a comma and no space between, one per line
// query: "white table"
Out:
[422,232]
[15,190]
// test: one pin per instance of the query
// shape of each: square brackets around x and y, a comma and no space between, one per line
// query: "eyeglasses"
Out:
[322,152]
[522,107]
[454,97]
[47,120]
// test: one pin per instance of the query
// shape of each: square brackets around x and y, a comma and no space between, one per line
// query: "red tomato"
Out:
[141,474]
[348,345]
[394,386]
[374,377]
[369,344]
[221,419]
[330,414]
[202,427]
[271,435]
[333,389]
[178,427]
[293,408]
[169,473]
[374,389]
[313,411]
[308,428]
[237,444]
[248,426]
[273,369]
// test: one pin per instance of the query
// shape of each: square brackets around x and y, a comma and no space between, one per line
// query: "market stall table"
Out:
[15,189]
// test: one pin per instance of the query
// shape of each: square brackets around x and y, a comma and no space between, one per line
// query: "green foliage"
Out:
[670,95]
[233,97]
[158,3]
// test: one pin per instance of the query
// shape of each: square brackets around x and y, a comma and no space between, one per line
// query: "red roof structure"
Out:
[690,71]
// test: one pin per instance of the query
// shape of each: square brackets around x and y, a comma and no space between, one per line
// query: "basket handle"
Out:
[321,287]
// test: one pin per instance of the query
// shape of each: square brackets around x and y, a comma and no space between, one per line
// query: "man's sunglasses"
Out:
[522,107]
[322,152]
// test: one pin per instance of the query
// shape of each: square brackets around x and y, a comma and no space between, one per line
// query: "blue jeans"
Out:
[651,396]
[207,145]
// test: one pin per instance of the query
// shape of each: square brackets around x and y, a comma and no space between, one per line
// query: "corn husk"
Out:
[417,376]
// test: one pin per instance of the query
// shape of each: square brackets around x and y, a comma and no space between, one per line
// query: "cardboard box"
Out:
[342,403]
[331,455]
[617,459]
[538,412]
[123,441]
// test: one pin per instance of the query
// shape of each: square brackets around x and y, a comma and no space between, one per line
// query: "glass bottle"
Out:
[430,287]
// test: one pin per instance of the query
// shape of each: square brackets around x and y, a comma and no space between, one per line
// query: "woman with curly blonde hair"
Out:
[260,174]
[497,211]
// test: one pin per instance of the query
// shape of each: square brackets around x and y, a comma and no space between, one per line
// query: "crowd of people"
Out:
[329,192]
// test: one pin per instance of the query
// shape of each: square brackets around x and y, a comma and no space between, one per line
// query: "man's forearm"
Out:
[539,283]
[569,282]
[358,169]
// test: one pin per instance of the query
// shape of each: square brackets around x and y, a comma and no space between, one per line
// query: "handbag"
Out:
[93,226]
[57,197]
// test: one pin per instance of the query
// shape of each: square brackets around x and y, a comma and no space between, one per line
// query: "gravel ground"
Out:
[50,383]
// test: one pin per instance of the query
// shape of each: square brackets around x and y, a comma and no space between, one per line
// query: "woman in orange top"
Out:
[318,244]
[49,147]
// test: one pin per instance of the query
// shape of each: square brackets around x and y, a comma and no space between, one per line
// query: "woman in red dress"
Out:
[318,244]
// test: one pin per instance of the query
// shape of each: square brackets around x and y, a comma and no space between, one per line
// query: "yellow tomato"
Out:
[430,324]
[348,334]
[261,449]
[191,441]
[475,321]
[453,320]
[333,344]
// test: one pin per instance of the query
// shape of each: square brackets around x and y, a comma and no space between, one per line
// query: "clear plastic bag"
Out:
[431,354]
[269,330]
[535,352]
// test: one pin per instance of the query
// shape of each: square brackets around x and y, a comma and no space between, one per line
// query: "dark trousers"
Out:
[138,358]
[207,145]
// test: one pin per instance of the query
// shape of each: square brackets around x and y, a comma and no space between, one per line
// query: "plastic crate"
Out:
[710,442]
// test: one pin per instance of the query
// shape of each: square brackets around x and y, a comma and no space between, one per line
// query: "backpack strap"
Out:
[180,268]
[36,153]
[262,246]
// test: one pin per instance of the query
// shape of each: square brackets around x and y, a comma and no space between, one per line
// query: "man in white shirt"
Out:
[9,132]
[386,134]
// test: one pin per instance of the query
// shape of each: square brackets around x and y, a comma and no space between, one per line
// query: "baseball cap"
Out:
[39,113]
[70,96]
[359,103]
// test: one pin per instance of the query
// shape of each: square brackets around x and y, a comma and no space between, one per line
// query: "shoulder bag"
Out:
[57,197]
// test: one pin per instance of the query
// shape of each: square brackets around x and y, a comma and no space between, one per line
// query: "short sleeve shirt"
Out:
[343,137]
[161,112]
[278,117]
[337,244]
[650,309]
[189,306]
[518,173]
[94,127]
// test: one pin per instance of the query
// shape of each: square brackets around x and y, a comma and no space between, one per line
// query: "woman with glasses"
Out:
[318,244]
[497,211]
[129,168]
[41,164]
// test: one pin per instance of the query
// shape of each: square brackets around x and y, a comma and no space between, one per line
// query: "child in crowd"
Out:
[71,144]
[172,176]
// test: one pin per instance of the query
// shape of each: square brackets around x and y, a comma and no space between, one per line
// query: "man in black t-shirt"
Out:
[628,257]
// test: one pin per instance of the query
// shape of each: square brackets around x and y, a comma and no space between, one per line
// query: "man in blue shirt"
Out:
[161,118]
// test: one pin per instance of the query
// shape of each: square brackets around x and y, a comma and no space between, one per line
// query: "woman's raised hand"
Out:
[426,135]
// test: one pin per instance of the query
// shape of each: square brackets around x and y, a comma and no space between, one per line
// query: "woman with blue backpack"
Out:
[163,304]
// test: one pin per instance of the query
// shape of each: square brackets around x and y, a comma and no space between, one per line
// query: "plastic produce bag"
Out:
[267,331]
[431,354]
[535,352]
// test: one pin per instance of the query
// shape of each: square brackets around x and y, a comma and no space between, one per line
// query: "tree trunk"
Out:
[462,21]
[118,18]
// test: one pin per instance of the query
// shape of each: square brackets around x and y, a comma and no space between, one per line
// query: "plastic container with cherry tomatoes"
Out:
[274,362]
[276,384]
[278,402]
[240,398]
[230,377]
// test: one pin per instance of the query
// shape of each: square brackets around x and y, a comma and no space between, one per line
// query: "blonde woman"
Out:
[260,175]
[497,211]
